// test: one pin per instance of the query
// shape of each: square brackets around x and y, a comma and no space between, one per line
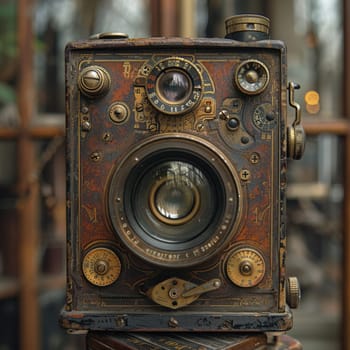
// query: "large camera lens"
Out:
[174,201]
[174,86]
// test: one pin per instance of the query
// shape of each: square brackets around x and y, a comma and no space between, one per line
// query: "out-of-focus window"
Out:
[8,109]
[312,30]
[59,21]
[314,36]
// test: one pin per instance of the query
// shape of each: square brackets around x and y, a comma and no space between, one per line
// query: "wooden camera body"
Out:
[176,182]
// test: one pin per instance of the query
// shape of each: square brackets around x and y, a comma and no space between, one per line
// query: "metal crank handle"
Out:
[208,286]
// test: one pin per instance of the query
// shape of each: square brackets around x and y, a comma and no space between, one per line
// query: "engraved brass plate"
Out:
[101,267]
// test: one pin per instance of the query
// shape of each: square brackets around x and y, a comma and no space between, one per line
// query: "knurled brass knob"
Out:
[293,292]
[94,81]
[101,266]
[247,27]
[295,142]
[245,267]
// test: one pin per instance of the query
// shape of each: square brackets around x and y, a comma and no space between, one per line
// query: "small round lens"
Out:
[174,86]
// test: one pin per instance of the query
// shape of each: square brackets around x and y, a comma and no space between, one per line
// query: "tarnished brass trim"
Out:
[249,22]
[109,35]
[202,248]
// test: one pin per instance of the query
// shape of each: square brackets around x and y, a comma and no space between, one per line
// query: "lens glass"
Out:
[174,199]
[174,86]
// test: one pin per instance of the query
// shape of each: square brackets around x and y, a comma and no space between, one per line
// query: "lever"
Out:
[175,292]
[295,132]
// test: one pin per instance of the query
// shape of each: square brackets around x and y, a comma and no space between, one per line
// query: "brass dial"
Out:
[101,266]
[245,267]
[252,77]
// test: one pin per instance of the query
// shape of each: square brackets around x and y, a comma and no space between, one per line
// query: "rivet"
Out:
[120,322]
[84,110]
[245,139]
[85,125]
[233,124]
[173,323]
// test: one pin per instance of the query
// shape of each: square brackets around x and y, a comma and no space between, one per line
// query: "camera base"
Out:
[189,341]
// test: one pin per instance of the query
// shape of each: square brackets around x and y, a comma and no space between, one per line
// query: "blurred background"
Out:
[33,34]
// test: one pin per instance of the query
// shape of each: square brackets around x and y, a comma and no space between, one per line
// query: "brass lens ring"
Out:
[175,200]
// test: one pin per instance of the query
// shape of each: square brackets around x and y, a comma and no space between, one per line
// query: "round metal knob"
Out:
[245,267]
[293,292]
[295,142]
[109,35]
[101,266]
[247,27]
[94,81]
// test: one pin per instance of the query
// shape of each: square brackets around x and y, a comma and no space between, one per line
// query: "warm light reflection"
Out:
[312,100]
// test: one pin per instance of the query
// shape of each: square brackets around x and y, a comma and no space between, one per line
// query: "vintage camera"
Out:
[176,170]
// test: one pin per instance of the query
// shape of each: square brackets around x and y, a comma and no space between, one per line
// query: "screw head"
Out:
[95,156]
[245,174]
[255,158]
[173,323]
[94,81]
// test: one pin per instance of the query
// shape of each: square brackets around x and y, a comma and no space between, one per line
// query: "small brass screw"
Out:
[85,125]
[245,174]
[95,156]
[255,158]
[200,127]
[173,323]
[153,127]
[107,137]
[139,107]
[120,322]
[224,114]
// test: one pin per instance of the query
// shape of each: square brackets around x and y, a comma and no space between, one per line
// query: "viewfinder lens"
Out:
[174,86]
